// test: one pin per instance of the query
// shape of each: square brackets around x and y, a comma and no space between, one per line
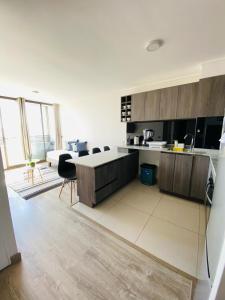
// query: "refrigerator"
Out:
[8,247]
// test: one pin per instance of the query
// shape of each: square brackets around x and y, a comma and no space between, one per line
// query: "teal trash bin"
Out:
[148,174]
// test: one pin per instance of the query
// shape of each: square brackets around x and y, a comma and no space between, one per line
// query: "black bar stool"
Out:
[83,153]
[96,150]
[106,148]
[68,172]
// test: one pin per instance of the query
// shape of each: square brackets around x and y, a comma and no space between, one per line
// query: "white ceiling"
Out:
[73,48]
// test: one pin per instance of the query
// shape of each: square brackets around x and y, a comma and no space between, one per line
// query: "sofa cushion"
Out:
[81,146]
[71,144]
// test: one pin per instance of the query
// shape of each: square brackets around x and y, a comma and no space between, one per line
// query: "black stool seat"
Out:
[106,148]
[67,171]
[83,153]
[96,150]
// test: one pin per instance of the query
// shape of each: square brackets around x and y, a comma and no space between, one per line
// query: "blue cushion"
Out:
[81,146]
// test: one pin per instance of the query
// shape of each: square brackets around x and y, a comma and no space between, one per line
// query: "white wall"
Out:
[213,68]
[95,120]
[7,240]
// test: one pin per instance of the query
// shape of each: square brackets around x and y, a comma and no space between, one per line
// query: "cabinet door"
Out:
[166,171]
[152,105]
[168,103]
[187,99]
[199,176]
[211,99]
[182,174]
[138,107]
[105,174]
[133,164]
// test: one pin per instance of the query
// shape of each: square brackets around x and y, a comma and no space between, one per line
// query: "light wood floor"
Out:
[65,256]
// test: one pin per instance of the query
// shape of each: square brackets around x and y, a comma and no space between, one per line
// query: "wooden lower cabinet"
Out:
[183,174]
[166,171]
[199,176]
[95,184]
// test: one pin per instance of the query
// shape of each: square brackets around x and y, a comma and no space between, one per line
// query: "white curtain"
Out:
[24,128]
[58,132]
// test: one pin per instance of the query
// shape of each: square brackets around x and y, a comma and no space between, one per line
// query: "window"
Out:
[41,131]
[10,133]
[41,128]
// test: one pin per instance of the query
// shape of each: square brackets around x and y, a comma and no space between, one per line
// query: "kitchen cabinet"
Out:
[205,98]
[168,103]
[138,107]
[105,174]
[152,105]
[166,171]
[125,111]
[211,97]
[182,174]
[199,176]
[187,98]
[127,168]
[96,183]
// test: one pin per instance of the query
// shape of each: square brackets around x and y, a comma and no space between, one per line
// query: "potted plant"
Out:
[31,163]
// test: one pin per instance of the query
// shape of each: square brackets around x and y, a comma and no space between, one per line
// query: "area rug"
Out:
[50,179]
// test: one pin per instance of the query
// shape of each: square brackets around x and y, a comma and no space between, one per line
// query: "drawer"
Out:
[106,191]
[106,174]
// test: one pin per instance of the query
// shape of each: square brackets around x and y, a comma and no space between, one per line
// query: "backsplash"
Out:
[157,127]
[206,131]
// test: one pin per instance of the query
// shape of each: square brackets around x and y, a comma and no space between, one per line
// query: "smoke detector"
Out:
[154,45]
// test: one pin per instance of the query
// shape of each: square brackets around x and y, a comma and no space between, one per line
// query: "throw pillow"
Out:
[74,147]
[81,146]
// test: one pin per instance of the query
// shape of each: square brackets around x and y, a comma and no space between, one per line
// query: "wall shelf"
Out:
[125,111]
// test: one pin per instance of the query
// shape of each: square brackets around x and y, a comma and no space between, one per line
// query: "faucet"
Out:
[192,140]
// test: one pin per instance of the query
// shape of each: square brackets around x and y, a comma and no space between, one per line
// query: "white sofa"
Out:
[53,156]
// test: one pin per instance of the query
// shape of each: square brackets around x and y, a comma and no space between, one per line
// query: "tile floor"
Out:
[168,227]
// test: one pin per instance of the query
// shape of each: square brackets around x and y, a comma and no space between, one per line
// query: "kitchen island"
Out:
[101,174]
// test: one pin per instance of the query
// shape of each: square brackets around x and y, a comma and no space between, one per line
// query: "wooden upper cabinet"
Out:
[138,107]
[187,99]
[152,105]
[211,97]
[205,98]
[168,103]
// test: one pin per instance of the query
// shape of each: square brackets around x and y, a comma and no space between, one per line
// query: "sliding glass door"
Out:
[10,134]
[40,121]
[40,126]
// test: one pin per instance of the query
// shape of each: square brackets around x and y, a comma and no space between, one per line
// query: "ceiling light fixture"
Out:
[36,92]
[154,45]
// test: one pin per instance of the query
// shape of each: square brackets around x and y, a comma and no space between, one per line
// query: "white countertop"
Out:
[212,154]
[196,151]
[142,148]
[98,159]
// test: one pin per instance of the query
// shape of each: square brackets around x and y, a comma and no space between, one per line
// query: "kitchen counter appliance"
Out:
[148,136]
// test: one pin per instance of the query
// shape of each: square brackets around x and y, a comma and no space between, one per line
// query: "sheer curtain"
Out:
[25,131]
[24,128]
[58,132]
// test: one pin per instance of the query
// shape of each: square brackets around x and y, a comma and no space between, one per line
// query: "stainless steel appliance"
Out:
[148,136]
